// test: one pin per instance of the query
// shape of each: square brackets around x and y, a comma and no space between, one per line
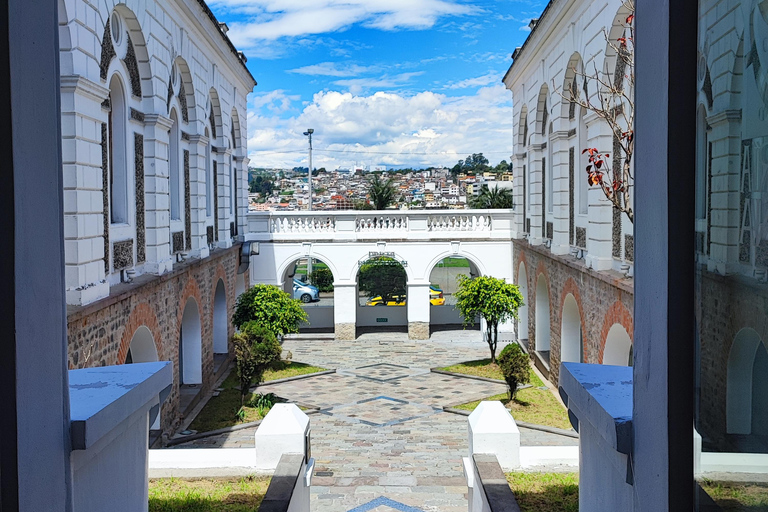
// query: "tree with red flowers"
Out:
[612,101]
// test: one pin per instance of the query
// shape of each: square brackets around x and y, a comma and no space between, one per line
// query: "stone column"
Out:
[83,146]
[222,195]
[241,180]
[418,310]
[157,199]
[561,243]
[600,231]
[535,205]
[197,177]
[519,222]
[345,303]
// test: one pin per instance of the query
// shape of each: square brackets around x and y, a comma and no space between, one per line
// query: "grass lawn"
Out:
[174,495]
[545,492]
[531,405]
[733,497]
[220,410]
[453,263]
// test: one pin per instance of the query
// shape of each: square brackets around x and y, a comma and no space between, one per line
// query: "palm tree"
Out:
[493,198]
[382,193]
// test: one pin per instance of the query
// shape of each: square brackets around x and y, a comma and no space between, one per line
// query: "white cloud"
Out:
[273,19]
[276,101]
[479,81]
[332,69]
[387,128]
[358,85]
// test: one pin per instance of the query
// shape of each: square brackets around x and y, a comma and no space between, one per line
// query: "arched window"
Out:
[173,162]
[208,177]
[118,173]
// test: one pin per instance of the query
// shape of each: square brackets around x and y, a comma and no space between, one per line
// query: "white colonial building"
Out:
[573,251]
[153,98]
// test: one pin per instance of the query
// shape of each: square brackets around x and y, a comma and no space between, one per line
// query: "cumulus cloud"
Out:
[268,20]
[421,129]
[358,85]
[478,81]
[275,101]
[333,69]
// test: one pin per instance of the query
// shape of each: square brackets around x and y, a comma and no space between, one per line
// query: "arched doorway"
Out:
[542,318]
[443,279]
[310,280]
[220,323]
[382,298]
[522,313]
[190,345]
[143,350]
[570,332]
[618,346]
[747,370]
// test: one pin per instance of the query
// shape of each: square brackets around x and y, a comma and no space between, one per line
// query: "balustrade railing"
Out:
[383,224]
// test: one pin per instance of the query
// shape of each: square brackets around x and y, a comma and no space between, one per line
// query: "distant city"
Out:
[348,188]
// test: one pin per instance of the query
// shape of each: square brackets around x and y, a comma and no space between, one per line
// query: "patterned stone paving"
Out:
[381,441]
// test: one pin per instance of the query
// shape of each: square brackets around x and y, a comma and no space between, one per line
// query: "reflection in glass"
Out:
[731,233]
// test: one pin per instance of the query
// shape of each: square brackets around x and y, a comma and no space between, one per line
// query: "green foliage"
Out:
[263,402]
[492,198]
[515,367]
[362,205]
[255,349]
[502,167]
[322,278]
[260,184]
[270,307]
[475,163]
[382,193]
[382,276]
[493,299]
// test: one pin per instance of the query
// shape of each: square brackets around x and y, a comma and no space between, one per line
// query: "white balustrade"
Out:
[398,224]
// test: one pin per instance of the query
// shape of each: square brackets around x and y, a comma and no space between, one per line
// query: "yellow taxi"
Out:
[435,298]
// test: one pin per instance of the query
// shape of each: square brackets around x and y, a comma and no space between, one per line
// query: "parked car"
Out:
[435,298]
[305,292]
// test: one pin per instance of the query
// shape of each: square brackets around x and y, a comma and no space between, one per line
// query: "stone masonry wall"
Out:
[100,333]
[604,299]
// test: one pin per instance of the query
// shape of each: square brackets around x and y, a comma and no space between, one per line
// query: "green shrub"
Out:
[322,278]
[255,349]
[515,367]
[270,307]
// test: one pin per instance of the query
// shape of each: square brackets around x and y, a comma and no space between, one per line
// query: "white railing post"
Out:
[492,430]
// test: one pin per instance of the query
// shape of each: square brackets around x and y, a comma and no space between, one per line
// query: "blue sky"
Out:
[392,82]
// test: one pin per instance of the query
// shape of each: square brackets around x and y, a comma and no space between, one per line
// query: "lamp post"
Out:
[309,133]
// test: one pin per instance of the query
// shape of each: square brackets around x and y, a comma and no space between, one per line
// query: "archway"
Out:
[542,318]
[310,280]
[618,346]
[143,350]
[570,332]
[190,345]
[747,364]
[522,313]
[220,323]
[443,279]
[382,289]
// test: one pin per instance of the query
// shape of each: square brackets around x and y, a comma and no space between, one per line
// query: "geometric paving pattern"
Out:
[383,504]
[380,372]
[380,411]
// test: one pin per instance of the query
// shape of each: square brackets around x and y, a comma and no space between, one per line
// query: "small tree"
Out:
[382,276]
[515,367]
[381,192]
[255,349]
[271,308]
[493,299]
[322,278]
[493,198]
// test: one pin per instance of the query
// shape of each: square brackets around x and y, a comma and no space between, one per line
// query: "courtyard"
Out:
[380,434]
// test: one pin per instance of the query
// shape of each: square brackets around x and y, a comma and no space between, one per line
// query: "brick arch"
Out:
[520,261]
[541,270]
[616,314]
[572,288]
[191,289]
[229,296]
[142,315]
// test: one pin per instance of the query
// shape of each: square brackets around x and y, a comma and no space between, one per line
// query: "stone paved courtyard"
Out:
[380,439]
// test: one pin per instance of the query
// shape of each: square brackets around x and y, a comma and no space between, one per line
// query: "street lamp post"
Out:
[309,133]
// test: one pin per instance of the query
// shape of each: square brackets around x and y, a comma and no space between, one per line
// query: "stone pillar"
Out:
[222,194]
[345,303]
[561,243]
[517,188]
[418,310]
[600,232]
[535,205]
[492,430]
[157,194]
[83,145]
[241,173]
[197,165]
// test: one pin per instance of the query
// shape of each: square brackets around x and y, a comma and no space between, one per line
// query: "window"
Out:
[208,178]
[174,173]
[118,174]
[581,178]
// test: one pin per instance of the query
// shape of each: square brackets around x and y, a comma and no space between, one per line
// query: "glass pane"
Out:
[731,232]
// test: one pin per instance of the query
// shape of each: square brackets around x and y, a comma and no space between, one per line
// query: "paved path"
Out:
[381,433]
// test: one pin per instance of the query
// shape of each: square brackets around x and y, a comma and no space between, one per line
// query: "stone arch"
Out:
[191,344]
[542,111]
[235,129]
[522,128]
[573,67]
[474,263]
[573,330]
[616,314]
[617,350]
[191,291]
[283,268]
[542,311]
[185,93]
[142,315]
[736,85]
[747,353]
[522,283]
[220,315]
[141,54]
[615,31]
[142,348]
[214,118]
